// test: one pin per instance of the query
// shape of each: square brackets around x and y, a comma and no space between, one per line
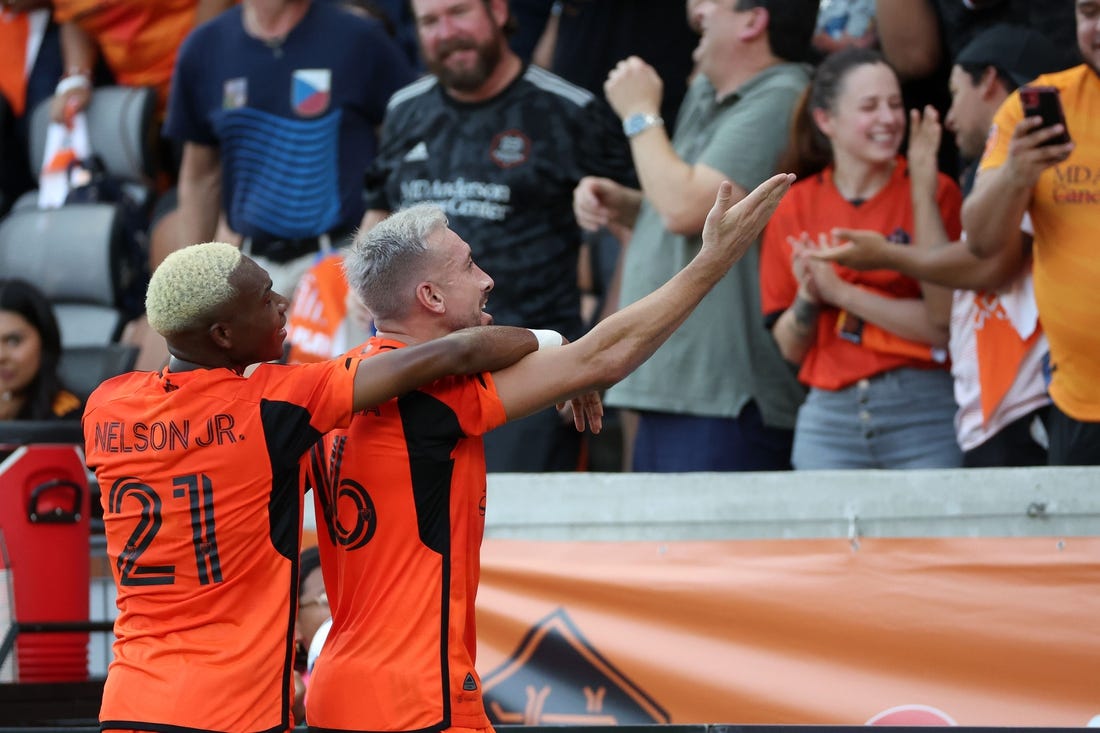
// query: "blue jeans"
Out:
[670,443]
[903,418]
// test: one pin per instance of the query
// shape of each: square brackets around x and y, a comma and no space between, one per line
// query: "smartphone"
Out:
[1039,101]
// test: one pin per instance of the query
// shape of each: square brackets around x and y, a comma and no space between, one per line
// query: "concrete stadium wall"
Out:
[814,504]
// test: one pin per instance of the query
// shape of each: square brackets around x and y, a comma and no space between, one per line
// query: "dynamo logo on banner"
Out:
[556,677]
[913,715]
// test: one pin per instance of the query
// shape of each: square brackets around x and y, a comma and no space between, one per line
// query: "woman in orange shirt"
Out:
[864,342]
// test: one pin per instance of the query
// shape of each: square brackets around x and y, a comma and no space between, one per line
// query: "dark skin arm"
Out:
[951,264]
[469,351]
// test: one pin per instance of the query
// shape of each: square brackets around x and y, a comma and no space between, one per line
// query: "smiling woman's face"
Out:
[867,121]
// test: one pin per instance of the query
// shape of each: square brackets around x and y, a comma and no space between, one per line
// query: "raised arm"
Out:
[469,351]
[909,34]
[621,342]
[994,209]
[679,191]
[929,231]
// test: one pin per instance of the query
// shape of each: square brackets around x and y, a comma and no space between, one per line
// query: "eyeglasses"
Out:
[321,600]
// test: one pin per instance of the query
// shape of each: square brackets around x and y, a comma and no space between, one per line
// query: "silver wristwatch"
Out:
[640,122]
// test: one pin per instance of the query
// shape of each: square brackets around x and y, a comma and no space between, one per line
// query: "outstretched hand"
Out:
[855,248]
[731,228]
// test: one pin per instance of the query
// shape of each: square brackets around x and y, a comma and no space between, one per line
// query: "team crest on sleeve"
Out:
[235,93]
[510,148]
[310,91]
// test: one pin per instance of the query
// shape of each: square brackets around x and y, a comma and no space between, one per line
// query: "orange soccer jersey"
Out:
[201,504]
[815,206]
[400,501]
[1065,212]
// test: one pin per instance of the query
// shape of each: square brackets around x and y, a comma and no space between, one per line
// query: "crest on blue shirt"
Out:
[310,91]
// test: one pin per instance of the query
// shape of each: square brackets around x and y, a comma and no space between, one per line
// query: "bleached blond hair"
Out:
[383,264]
[190,286]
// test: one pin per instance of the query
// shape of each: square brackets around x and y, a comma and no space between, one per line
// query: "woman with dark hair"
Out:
[870,345]
[30,350]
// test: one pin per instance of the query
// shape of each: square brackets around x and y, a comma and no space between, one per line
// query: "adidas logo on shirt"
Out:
[419,152]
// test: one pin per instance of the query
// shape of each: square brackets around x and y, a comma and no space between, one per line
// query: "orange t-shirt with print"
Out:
[1065,212]
[814,205]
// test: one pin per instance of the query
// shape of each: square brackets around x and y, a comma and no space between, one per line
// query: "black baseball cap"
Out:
[1019,52]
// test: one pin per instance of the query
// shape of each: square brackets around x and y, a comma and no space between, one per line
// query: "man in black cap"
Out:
[986,71]
[998,351]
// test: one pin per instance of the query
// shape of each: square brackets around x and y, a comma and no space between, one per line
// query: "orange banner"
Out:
[973,632]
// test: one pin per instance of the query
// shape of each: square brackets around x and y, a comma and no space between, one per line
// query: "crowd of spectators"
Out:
[287,124]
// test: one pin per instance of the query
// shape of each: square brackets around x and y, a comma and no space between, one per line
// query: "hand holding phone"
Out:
[1044,102]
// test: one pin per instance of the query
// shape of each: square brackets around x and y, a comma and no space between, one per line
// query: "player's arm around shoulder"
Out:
[551,376]
[469,351]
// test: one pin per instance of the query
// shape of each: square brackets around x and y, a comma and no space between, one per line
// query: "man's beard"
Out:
[472,78]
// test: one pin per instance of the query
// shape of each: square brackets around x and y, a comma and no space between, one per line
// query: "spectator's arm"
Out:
[951,264]
[993,211]
[677,190]
[909,35]
[905,317]
[372,217]
[796,328]
[78,54]
[680,192]
[200,183]
[929,230]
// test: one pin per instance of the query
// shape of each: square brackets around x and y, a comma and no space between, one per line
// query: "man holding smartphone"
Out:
[1021,172]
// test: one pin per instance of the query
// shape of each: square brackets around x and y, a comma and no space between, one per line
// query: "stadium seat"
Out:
[122,131]
[75,256]
[83,368]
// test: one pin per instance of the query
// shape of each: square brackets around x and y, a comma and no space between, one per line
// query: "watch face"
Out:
[638,122]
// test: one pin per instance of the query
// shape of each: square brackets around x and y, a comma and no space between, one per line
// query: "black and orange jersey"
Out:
[400,499]
[202,510]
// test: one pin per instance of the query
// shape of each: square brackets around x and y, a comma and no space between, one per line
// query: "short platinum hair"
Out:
[385,263]
[190,286]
